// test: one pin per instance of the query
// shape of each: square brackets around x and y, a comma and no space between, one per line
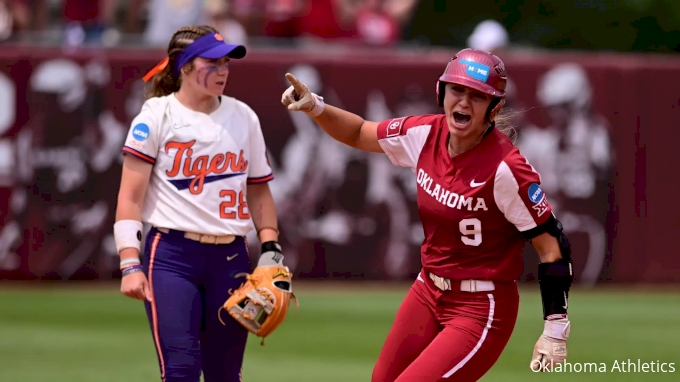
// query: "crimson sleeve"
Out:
[518,193]
[403,139]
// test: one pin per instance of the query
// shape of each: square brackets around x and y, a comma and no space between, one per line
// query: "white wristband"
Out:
[318,106]
[559,329]
[129,261]
[128,234]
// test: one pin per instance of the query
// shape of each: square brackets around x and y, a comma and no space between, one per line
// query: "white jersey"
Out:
[201,164]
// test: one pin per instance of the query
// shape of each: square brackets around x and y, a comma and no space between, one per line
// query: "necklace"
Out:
[453,153]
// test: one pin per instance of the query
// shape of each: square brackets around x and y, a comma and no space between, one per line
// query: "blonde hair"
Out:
[165,82]
[504,122]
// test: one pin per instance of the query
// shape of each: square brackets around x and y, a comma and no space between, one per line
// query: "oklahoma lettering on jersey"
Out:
[202,164]
[474,206]
[448,198]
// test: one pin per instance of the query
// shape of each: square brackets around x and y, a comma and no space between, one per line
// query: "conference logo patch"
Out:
[140,132]
[536,195]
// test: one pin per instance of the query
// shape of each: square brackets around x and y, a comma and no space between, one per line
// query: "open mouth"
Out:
[461,118]
[220,83]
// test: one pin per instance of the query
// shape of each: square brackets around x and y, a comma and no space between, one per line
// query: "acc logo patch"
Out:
[536,195]
[476,70]
[394,127]
[140,132]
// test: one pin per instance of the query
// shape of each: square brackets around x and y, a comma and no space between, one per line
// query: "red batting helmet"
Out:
[477,69]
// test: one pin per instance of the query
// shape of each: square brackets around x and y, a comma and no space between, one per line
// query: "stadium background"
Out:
[598,81]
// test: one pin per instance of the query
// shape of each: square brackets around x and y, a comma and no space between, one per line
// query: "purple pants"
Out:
[190,281]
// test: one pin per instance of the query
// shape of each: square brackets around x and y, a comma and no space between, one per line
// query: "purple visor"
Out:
[211,46]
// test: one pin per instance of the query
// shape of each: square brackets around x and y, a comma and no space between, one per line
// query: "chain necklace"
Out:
[453,153]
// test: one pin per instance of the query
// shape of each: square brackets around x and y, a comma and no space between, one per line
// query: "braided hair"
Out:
[165,82]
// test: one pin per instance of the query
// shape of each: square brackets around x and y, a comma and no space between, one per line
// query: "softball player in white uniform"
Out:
[196,171]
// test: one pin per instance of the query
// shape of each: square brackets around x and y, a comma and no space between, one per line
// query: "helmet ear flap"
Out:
[440,93]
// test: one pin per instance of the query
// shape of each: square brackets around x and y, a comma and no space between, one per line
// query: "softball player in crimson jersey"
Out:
[479,200]
[196,171]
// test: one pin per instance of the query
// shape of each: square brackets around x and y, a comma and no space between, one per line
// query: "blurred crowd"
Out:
[75,22]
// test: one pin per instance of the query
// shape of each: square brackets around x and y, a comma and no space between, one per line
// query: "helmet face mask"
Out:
[479,70]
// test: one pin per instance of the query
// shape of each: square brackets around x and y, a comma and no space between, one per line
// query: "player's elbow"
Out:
[128,202]
[132,192]
[550,257]
[130,198]
[547,248]
[351,137]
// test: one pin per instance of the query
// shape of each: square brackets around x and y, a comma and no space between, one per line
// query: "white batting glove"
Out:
[298,98]
[551,348]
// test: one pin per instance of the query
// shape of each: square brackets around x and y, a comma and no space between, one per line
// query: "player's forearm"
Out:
[263,212]
[555,273]
[341,125]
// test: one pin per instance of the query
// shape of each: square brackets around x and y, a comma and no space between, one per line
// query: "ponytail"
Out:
[504,122]
[163,83]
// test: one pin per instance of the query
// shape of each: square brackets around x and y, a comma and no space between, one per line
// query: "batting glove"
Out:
[270,255]
[551,348]
[298,98]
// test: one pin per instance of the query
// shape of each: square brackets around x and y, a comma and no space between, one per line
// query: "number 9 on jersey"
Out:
[471,229]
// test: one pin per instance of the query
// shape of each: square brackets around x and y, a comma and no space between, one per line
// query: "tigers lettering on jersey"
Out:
[198,170]
[447,197]
[202,165]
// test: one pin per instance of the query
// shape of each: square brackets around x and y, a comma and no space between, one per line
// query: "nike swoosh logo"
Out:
[475,184]
[230,258]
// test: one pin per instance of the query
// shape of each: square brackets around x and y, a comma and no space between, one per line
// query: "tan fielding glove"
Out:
[298,98]
[551,348]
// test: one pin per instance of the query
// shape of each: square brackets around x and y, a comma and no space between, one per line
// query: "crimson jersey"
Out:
[474,206]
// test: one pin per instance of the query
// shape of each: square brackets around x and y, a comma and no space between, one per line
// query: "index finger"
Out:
[297,85]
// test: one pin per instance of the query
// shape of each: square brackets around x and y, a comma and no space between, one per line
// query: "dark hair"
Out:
[165,82]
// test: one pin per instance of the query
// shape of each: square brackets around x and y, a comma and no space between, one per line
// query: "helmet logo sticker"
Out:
[476,70]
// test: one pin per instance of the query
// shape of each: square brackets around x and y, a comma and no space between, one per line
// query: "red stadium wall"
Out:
[342,216]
